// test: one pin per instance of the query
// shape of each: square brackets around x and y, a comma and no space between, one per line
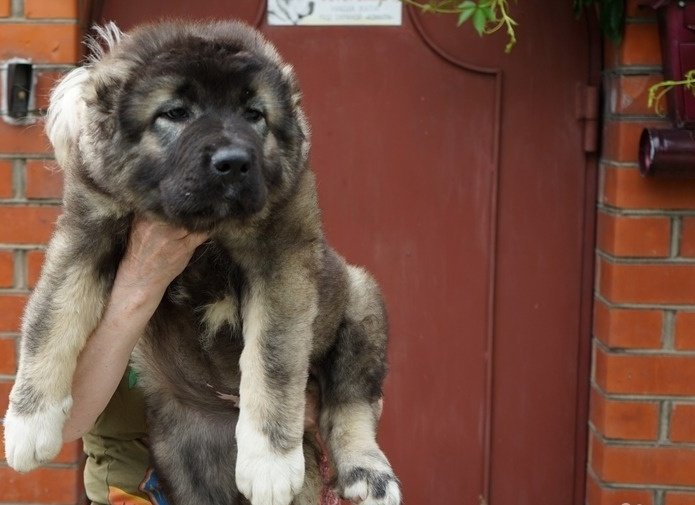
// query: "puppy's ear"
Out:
[291,79]
[64,116]
[296,97]
[103,40]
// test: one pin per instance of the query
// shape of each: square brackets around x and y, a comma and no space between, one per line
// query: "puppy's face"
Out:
[196,129]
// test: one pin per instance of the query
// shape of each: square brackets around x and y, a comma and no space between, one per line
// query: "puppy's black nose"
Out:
[232,162]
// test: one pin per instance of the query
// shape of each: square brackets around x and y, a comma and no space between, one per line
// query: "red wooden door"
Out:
[456,174]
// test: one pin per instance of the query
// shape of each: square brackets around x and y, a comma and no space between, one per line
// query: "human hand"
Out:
[157,252]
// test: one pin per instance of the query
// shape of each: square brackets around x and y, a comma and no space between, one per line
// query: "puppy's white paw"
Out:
[370,483]
[263,475]
[34,439]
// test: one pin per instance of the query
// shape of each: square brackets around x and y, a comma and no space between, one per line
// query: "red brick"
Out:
[679,498]
[629,94]
[6,188]
[6,269]
[624,419]
[11,308]
[43,179]
[626,188]
[53,9]
[27,224]
[23,139]
[598,495]
[40,42]
[641,45]
[8,356]
[5,8]
[5,388]
[687,248]
[648,283]
[58,486]
[621,139]
[665,466]
[685,331]
[634,236]
[682,423]
[45,82]
[645,375]
[34,263]
[627,328]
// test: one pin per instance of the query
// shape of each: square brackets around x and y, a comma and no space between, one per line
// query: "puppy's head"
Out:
[196,123]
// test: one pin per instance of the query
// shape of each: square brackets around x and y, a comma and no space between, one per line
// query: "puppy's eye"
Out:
[253,115]
[176,114]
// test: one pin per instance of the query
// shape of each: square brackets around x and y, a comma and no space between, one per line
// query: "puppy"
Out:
[200,125]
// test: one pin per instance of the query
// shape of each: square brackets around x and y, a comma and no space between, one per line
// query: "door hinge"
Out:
[587,105]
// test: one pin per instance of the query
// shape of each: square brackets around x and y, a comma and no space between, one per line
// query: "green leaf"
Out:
[612,18]
[467,9]
[579,6]
[489,13]
[479,21]
[132,378]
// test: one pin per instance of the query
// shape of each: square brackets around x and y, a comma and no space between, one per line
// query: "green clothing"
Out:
[117,468]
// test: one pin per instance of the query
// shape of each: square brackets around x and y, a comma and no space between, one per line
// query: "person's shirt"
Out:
[117,470]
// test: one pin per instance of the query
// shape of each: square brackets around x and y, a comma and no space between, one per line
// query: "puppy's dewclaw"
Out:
[200,125]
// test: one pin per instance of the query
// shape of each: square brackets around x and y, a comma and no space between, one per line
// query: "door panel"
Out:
[406,196]
[455,173]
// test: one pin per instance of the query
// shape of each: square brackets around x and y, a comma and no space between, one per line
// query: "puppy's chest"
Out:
[220,319]
[211,290]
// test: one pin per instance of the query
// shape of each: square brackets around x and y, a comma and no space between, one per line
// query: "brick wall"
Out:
[642,422]
[47,33]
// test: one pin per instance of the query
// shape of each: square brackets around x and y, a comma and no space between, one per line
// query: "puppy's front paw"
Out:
[33,439]
[263,475]
[369,481]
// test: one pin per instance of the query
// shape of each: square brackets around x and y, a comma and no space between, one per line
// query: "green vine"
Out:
[611,16]
[658,90]
[489,16]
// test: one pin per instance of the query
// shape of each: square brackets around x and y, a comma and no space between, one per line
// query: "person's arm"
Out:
[156,254]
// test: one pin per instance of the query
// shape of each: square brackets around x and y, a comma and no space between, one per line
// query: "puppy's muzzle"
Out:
[232,164]
[235,169]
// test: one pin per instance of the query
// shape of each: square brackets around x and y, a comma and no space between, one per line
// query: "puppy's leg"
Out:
[352,377]
[277,316]
[63,310]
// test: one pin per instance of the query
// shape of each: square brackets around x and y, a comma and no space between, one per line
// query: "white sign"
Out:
[334,12]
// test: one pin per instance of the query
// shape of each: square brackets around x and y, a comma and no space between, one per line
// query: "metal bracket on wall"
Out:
[18,92]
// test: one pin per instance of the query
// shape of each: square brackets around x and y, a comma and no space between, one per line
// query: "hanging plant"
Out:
[489,16]
[611,16]
[658,90]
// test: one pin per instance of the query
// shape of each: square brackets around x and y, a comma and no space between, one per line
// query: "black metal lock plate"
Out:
[19,80]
